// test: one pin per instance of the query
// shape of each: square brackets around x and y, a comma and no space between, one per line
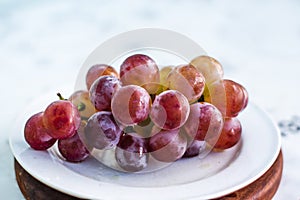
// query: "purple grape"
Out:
[102,91]
[102,131]
[131,152]
[72,149]
[194,148]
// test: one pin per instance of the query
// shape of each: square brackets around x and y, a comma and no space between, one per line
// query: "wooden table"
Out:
[263,188]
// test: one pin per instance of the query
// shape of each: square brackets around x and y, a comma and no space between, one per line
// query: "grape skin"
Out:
[73,149]
[170,110]
[167,145]
[62,119]
[187,80]
[228,96]
[102,91]
[139,70]
[236,98]
[164,72]
[102,131]
[97,71]
[81,100]
[211,69]
[35,133]
[194,148]
[131,152]
[230,135]
[131,105]
[205,122]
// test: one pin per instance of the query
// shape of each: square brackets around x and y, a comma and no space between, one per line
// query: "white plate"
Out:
[216,175]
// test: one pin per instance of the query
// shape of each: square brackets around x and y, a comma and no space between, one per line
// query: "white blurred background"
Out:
[44,43]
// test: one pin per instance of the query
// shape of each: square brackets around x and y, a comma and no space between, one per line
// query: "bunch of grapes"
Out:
[60,121]
[143,111]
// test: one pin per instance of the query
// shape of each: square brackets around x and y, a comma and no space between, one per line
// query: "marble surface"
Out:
[44,43]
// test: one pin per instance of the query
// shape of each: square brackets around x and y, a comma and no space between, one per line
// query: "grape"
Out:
[205,122]
[131,152]
[246,97]
[164,72]
[215,94]
[99,70]
[131,105]
[228,96]
[236,98]
[167,145]
[101,131]
[187,80]
[230,135]
[62,119]
[170,110]
[211,69]
[82,100]
[157,88]
[194,148]
[102,91]
[36,135]
[72,148]
[139,70]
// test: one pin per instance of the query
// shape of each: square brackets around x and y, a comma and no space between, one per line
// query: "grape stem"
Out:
[81,106]
[60,96]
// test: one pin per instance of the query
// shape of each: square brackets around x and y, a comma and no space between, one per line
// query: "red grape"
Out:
[187,80]
[131,152]
[167,145]
[101,131]
[72,148]
[36,135]
[236,98]
[170,110]
[228,96]
[102,91]
[62,119]
[139,70]
[230,135]
[205,121]
[246,97]
[99,70]
[131,105]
